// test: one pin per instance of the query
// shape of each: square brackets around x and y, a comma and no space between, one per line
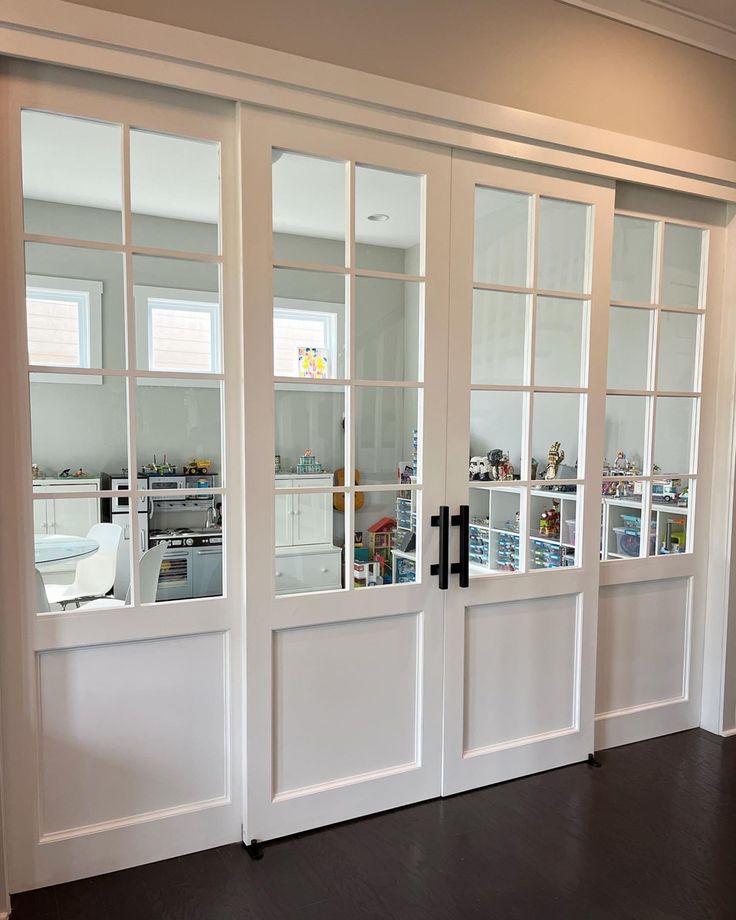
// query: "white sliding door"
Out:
[662,364]
[530,261]
[121,673]
[346,244]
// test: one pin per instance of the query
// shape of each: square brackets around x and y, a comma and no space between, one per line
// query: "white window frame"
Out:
[148,296]
[332,315]
[88,294]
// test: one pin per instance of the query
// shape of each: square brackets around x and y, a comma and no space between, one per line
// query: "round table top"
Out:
[61,547]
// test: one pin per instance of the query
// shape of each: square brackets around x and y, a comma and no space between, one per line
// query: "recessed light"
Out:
[379,217]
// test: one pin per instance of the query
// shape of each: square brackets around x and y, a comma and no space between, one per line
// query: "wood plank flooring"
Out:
[651,835]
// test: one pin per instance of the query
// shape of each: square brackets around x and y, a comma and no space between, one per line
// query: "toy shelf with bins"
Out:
[494,529]
[552,550]
[621,526]
[404,562]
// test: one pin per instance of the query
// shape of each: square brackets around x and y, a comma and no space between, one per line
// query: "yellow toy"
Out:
[197,467]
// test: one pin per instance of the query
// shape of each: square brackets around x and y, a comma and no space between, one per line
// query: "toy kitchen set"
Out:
[186,515]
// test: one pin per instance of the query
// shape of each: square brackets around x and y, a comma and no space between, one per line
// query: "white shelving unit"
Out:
[494,529]
[621,527]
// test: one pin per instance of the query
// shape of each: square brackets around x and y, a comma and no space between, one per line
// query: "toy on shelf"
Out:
[308,463]
[367,574]
[74,474]
[479,469]
[555,456]
[159,469]
[669,490]
[381,542]
[197,467]
[621,466]
[549,521]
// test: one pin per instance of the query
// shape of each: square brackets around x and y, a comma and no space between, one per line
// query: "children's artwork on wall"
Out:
[312,362]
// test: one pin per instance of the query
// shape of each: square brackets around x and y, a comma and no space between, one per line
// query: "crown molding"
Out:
[666,19]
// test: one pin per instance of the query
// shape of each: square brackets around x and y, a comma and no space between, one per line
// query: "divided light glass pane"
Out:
[673,434]
[78,556]
[499,337]
[671,508]
[178,316]
[553,518]
[310,439]
[683,269]
[388,329]
[556,430]
[626,435]
[560,342]
[309,208]
[628,348]
[678,351]
[72,177]
[502,237]
[179,420]
[496,424]
[634,241]
[78,426]
[563,260]
[308,323]
[175,192]
[494,530]
[75,300]
[386,433]
[389,221]
[386,537]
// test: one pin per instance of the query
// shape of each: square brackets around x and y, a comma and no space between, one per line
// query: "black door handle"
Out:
[442,568]
[462,568]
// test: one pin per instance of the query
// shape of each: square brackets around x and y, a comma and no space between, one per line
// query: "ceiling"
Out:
[73,161]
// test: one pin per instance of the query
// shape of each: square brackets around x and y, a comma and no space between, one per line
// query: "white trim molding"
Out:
[669,20]
[58,32]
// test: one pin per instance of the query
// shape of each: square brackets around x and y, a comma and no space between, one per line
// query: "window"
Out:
[64,325]
[178,331]
[296,327]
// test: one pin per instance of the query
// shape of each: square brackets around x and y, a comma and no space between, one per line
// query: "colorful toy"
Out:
[197,467]
[549,521]
[308,463]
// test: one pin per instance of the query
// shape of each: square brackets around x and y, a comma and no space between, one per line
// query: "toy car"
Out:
[197,467]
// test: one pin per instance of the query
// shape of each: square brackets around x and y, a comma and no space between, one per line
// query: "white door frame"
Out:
[270,813]
[37,859]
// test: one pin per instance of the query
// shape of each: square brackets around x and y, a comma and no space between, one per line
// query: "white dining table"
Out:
[62,548]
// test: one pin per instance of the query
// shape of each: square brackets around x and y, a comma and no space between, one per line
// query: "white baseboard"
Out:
[725,734]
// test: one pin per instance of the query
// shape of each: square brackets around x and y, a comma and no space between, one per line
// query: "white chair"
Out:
[42,602]
[150,567]
[95,575]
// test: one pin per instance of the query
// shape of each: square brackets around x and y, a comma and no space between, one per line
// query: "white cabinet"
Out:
[72,516]
[306,559]
[303,520]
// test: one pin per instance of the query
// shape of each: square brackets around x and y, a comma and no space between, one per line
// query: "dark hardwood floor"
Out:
[650,835]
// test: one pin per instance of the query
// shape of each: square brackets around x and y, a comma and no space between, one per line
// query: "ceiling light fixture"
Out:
[379,217]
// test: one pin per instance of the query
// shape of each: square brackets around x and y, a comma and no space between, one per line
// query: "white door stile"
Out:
[519,755]
[36,858]
[271,812]
[700,568]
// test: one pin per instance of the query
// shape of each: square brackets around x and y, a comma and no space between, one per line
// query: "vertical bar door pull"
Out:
[442,569]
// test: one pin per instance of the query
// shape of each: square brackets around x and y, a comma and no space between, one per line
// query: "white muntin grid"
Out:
[131,373]
[529,388]
[350,383]
[653,393]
